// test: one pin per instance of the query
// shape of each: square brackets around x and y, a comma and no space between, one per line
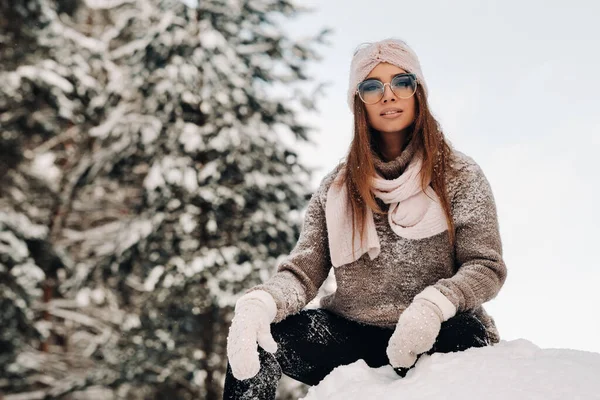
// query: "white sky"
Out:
[515,85]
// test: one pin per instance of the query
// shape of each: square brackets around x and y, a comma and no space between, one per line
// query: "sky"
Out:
[515,85]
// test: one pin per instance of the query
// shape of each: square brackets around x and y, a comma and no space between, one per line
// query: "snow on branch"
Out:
[107,4]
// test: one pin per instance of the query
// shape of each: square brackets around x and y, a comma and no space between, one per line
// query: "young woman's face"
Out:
[406,107]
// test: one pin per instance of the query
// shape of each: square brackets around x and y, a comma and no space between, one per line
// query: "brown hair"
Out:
[430,143]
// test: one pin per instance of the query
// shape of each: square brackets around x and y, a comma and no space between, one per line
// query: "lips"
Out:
[397,111]
[396,114]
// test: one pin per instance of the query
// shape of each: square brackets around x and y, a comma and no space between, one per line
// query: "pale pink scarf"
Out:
[413,214]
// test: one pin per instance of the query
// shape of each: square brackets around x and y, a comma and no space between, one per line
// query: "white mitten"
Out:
[418,327]
[251,324]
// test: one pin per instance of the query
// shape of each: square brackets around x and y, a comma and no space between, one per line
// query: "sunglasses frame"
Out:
[411,75]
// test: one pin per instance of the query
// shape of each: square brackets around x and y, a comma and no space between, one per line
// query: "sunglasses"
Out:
[371,90]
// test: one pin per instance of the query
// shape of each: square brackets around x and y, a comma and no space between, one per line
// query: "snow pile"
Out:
[509,370]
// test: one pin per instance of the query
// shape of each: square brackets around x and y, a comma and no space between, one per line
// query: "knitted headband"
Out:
[393,51]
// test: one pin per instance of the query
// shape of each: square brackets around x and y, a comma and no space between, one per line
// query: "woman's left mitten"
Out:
[415,333]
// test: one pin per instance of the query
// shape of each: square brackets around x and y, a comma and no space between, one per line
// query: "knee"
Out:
[297,327]
[465,321]
[461,332]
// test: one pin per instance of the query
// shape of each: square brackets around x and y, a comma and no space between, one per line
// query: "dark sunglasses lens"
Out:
[404,86]
[370,91]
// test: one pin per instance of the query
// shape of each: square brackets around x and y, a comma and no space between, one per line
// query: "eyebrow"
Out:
[391,76]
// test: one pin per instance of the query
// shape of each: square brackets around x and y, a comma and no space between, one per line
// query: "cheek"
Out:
[411,110]
[371,114]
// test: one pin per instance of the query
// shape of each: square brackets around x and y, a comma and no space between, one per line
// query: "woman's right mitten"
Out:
[251,324]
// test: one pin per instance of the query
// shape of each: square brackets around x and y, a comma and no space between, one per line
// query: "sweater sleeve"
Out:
[301,274]
[481,271]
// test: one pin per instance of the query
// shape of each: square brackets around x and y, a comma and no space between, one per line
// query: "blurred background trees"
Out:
[147,176]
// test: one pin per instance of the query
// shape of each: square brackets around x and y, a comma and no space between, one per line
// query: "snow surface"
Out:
[513,370]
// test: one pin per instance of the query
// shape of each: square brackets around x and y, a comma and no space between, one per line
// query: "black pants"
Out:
[313,342]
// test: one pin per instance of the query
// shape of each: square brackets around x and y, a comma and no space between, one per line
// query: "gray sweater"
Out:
[376,291]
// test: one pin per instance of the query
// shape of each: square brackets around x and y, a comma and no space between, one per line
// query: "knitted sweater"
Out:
[377,291]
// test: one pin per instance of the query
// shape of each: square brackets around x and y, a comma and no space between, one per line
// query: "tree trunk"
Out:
[210,320]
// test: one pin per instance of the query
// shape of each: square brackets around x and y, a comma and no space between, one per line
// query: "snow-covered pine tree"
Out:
[219,186]
[48,96]
[20,287]
[185,187]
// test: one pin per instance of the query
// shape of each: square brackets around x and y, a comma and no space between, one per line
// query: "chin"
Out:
[392,128]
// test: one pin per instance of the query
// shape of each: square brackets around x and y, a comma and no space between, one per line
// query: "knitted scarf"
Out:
[413,214]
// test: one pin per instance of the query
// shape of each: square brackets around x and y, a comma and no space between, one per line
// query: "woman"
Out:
[409,225]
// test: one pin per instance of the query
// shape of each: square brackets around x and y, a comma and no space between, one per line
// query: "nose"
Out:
[388,95]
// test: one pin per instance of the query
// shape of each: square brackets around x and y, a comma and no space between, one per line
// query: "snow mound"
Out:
[513,370]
